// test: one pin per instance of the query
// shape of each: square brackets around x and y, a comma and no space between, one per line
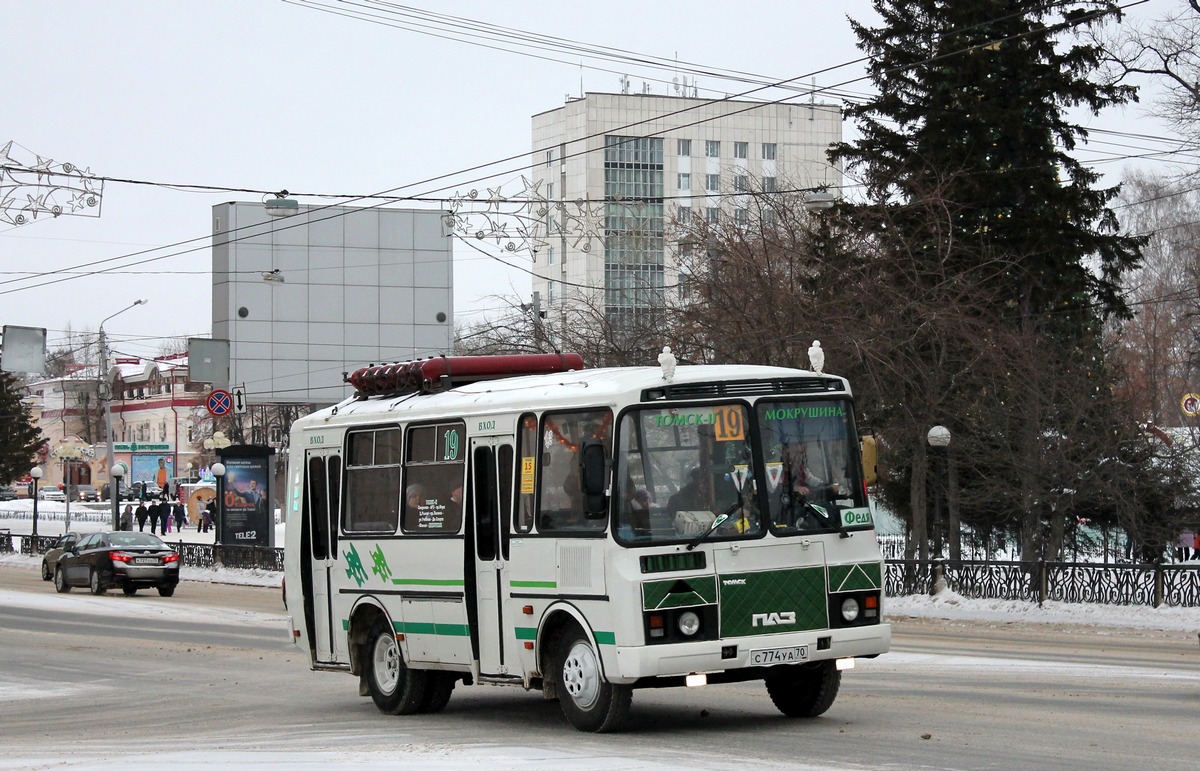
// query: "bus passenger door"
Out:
[491,476]
[323,476]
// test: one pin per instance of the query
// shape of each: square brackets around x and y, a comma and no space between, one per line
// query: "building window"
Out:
[685,181]
[741,216]
[550,256]
[768,151]
[712,148]
[685,147]
[550,190]
[741,149]
[683,215]
[741,183]
[712,215]
[768,184]
[712,183]
[549,157]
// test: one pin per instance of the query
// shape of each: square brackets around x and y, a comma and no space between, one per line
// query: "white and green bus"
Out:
[522,520]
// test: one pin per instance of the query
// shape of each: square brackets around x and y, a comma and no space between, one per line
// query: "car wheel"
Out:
[60,581]
[590,702]
[46,574]
[395,689]
[129,590]
[166,590]
[97,586]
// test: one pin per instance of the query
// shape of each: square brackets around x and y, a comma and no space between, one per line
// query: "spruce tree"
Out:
[972,112]
[19,437]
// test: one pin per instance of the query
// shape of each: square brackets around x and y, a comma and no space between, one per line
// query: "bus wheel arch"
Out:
[556,622]
[395,688]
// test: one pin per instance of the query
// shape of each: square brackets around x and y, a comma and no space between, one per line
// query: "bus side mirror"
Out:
[592,472]
[870,459]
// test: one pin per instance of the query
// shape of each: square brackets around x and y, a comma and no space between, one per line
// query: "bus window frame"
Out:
[408,466]
[346,473]
[592,527]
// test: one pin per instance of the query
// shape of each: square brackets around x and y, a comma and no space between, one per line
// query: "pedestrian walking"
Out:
[141,514]
[127,518]
[164,511]
[152,513]
[177,509]
[208,515]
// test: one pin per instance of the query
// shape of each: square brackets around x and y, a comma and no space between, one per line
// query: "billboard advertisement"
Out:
[247,517]
[151,467]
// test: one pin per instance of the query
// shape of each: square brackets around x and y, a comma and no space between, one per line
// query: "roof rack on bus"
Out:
[443,372]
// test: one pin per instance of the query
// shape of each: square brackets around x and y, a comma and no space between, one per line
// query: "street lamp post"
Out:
[114,492]
[939,439]
[36,473]
[218,471]
[107,391]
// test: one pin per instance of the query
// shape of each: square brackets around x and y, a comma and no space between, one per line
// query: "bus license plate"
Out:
[769,656]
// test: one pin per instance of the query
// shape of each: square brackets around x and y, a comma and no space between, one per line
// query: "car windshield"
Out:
[135,539]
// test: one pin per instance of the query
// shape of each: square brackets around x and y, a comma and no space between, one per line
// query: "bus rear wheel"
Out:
[395,689]
[589,701]
[804,690]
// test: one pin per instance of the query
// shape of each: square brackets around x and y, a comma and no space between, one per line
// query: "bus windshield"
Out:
[810,454]
[679,468]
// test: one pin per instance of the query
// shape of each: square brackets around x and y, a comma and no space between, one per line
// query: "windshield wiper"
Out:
[720,520]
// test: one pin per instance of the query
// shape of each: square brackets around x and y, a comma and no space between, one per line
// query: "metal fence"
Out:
[196,555]
[1108,584]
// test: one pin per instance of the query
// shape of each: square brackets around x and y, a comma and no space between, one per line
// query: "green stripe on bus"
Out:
[450,630]
[429,581]
[530,633]
[534,584]
[345,624]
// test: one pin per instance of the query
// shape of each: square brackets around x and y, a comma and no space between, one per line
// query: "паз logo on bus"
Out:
[773,619]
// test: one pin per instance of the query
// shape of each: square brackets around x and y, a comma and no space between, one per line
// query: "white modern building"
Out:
[635,162]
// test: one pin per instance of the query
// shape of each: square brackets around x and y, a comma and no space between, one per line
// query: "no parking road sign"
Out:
[220,402]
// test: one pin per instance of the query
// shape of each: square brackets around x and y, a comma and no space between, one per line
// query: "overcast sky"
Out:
[266,95]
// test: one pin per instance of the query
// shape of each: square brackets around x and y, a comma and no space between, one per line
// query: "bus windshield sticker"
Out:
[528,464]
[727,421]
[799,412]
[774,474]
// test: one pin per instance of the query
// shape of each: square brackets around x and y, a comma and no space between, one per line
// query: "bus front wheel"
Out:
[589,701]
[804,690]
[395,689]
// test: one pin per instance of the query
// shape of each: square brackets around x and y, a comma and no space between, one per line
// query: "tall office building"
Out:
[635,162]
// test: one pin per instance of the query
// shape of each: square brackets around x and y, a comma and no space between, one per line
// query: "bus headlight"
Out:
[689,623]
[849,609]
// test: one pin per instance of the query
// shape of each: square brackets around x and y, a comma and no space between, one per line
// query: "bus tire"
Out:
[589,702]
[438,689]
[804,690]
[395,689]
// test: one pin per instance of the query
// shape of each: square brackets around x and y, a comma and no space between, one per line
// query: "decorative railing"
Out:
[196,555]
[1094,582]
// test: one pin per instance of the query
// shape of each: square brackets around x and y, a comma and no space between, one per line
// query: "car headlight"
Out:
[849,609]
[689,623]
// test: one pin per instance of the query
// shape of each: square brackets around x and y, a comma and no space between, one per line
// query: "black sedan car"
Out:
[52,555]
[131,561]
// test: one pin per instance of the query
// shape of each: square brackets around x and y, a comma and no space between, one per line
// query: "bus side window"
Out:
[373,481]
[561,502]
[527,455]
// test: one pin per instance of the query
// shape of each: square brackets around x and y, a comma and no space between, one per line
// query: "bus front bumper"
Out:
[675,660]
